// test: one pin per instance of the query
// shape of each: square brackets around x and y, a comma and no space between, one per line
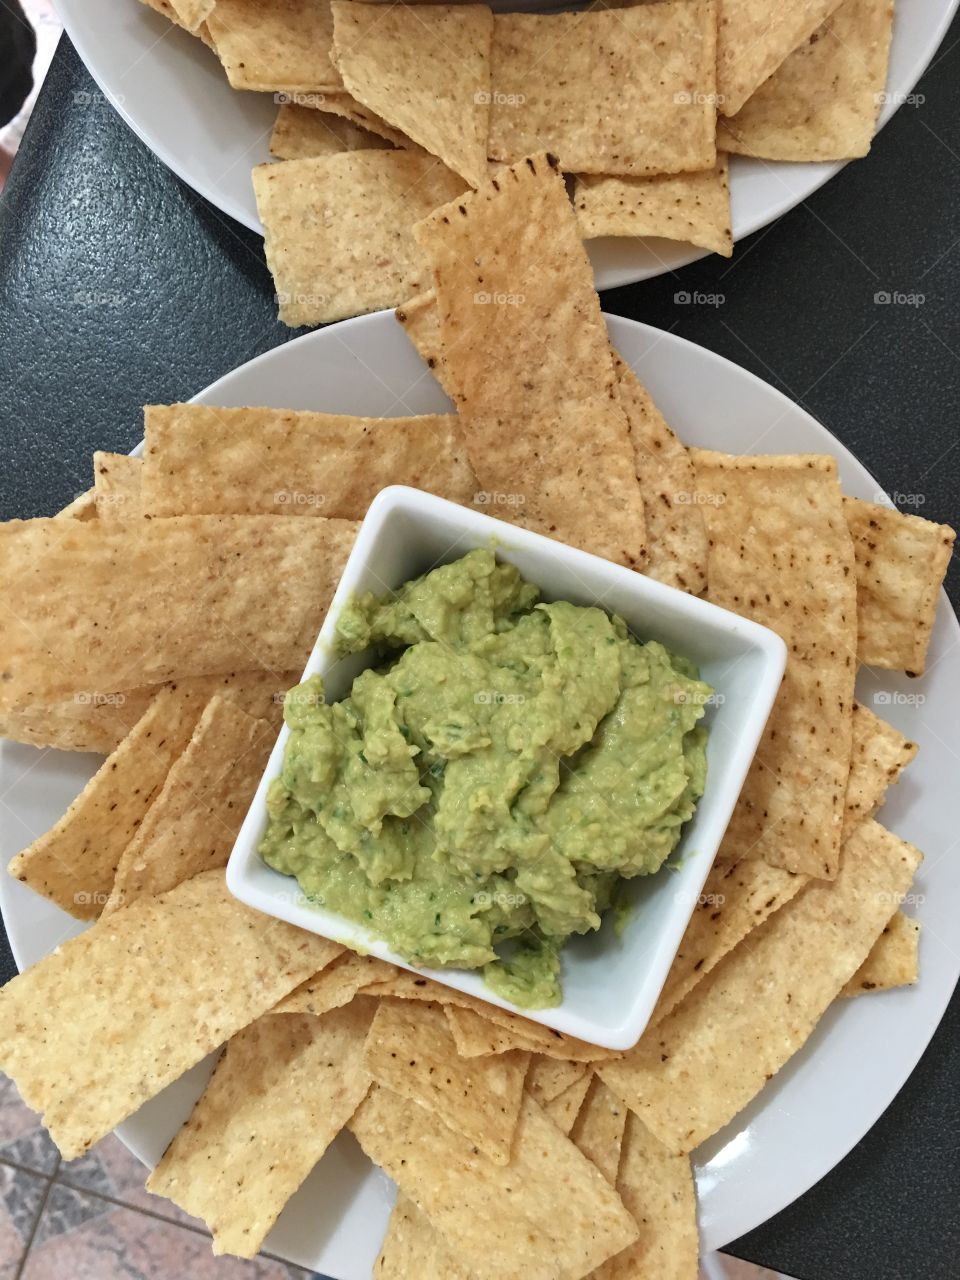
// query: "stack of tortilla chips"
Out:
[158,620]
[389,110]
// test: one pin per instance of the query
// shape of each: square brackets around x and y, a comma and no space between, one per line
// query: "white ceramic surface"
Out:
[610,983]
[815,1110]
[172,92]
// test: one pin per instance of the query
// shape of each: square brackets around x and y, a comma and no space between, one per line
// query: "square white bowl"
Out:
[610,984]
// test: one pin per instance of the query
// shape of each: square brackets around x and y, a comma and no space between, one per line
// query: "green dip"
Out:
[481,795]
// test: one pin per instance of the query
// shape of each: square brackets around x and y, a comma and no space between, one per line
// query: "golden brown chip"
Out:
[188,13]
[413,1248]
[894,960]
[346,106]
[420,318]
[283,45]
[83,507]
[301,133]
[334,985]
[117,480]
[497,1031]
[599,1127]
[880,754]
[565,1107]
[149,992]
[701,1065]
[901,562]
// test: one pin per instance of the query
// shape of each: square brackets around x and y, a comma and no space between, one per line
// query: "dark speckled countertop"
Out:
[119,286]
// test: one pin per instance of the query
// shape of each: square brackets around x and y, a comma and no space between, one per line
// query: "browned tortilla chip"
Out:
[497,1031]
[880,754]
[411,1051]
[598,1129]
[284,1088]
[191,8]
[631,91]
[420,318]
[780,553]
[894,960]
[690,207]
[91,607]
[548,1215]
[301,132]
[676,533]
[822,102]
[334,985]
[529,359]
[150,992]
[346,106]
[338,229]
[656,1185]
[427,72]
[413,1248]
[548,1077]
[117,480]
[201,460]
[702,1064]
[901,562]
[283,45]
[565,1107]
[754,39]
[192,825]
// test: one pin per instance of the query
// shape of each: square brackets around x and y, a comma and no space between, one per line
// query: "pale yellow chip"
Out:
[301,133]
[780,553]
[420,318]
[497,1031]
[189,13]
[412,1248]
[631,91]
[822,102]
[201,460]
[346,106]
[755,37]
[284,45]
[338,230]
[548,1215]
[693,208]
[656,1184]
[880,754]
[426,72]
[117,480]
[92,606]
[565,1107]
[83,507]
[527,353]
[145,995]
[901,562]
[410,1050]
[599,1127]
[548,1077]
[335,985]
[191,8]
[894,960]
[284,1088]
[693,1072]
[193,823]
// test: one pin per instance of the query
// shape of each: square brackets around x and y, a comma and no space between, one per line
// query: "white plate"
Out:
[172,92]
[814,1111]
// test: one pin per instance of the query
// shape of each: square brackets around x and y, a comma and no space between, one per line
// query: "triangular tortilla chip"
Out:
[894,960]
[755,37]
[300,133]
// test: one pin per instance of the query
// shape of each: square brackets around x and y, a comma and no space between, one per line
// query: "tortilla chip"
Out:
[90,607]
[83,507]
[338,229]
[284,45]
[411,1051]
[201,460]
[301,133]
[280,1094]
[413,1248]
[150,992]
[754,39]
[426,71]
[345,105]
[599,1128]
[190,14]
[894,960]
[691,207]
[420,318]
[676,533]
[880,754]
[631,91]
[702,1064]
[74,863]
[901,562]
[548,1077]
[117,480]
[822,102]
[527,352]
[780,554]
[193,823]
[333,986]
[548,1215]
[565,1107]
[657,1187]
[497,1031]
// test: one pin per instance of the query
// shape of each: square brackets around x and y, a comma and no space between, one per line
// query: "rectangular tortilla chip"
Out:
[693,208]
[92,607]
[338,230]
[301,133]
[880,754]
[426,71]
[822,102]
[117,481]
[193,823]
[599,1128]
[780,553]
[284,1088]
[413,1248]
[548,1215]
[894,960]
[631,91]
[283,45]
[202,460]
[901,563]
[527,354]
[410,1050]
[184,972]
[700,1066]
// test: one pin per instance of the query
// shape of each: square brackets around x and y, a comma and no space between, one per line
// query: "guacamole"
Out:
[482,794]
